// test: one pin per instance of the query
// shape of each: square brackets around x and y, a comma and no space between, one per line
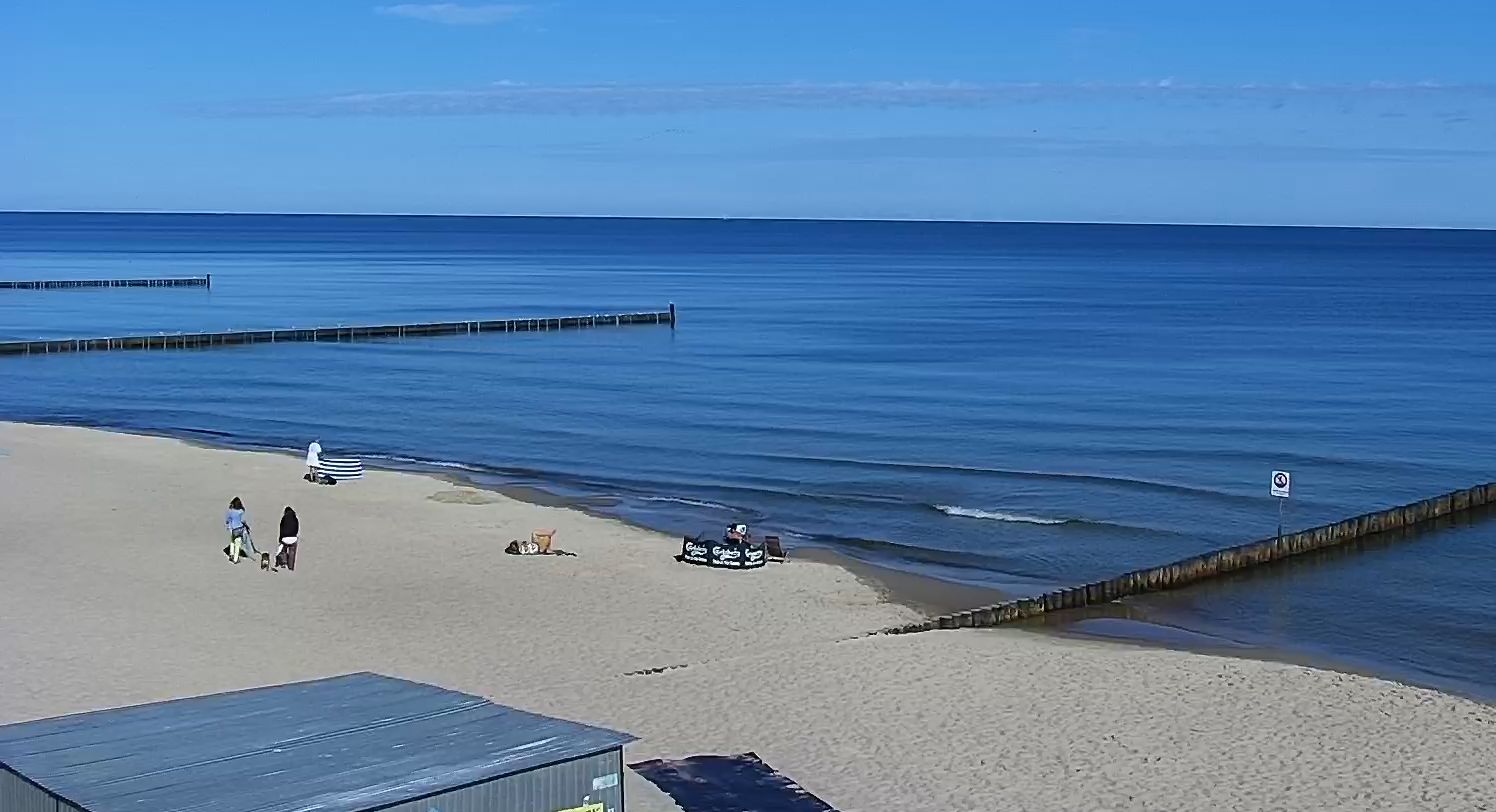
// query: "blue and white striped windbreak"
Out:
[341,468]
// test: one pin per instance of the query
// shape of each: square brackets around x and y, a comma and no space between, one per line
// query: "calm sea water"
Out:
[1020,406]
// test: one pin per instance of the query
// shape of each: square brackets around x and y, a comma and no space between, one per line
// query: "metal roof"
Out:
[350,743]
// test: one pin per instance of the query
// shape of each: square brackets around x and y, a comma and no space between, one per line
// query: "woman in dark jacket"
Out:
[290,529]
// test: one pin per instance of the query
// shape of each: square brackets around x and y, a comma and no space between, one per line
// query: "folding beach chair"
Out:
[774,549]
[543,538]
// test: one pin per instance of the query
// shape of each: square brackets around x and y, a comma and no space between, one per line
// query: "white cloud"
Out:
[454,13]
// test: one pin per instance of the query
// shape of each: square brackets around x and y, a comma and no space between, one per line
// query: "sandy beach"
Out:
[113,591]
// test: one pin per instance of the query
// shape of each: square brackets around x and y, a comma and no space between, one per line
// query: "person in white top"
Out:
[313,460]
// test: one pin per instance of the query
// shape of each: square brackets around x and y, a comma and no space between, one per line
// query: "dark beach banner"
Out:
[728,784]
[727,555]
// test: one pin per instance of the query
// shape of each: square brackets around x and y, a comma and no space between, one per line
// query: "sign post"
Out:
[1280,487]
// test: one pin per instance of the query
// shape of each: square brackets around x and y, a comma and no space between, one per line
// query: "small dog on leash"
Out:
[264,561]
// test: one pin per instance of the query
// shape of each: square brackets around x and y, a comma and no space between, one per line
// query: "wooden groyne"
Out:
[59,284]
[1210,565]
[185,341]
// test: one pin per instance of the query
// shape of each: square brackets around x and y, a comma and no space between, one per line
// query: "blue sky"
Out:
[1143,111]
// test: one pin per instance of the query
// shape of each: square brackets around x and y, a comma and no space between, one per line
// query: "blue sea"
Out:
[1012,405]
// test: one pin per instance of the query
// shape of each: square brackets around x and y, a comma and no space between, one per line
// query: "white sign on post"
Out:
[1282,483]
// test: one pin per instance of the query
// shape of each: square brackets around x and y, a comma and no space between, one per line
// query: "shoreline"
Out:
[114,592]
[1123,623]
[924,593]
[932,596]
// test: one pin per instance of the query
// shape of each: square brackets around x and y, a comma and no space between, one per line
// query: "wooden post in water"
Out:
[335,334]
[1401,521]
[73,284]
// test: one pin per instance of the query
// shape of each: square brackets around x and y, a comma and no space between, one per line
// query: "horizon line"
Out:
[750,218]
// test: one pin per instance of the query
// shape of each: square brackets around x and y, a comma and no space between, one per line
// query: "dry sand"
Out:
[113,591]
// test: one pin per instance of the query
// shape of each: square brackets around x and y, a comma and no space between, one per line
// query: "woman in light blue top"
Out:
[238,525]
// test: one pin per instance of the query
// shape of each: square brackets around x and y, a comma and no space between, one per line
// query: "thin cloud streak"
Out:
[510,98]
[976,147]
[958,147]
[454,13]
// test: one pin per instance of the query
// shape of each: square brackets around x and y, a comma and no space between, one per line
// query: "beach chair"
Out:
[774,549]
[542,539]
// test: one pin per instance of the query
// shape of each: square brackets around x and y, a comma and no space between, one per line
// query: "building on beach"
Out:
[354,743]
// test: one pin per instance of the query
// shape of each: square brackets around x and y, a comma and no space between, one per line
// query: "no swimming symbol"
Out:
[1281,484]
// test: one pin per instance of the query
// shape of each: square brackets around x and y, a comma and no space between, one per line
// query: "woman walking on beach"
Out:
[238,525]
[290,528]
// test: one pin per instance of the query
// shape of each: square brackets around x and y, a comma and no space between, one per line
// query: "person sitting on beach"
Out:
[737,533]
[539,544]
[290,528]
[238,525]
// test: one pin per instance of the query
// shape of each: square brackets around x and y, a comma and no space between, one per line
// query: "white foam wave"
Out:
[426,463]
[995,515]
[682,501]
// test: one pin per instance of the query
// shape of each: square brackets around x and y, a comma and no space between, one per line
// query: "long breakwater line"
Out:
[185,341]
[64,284]
[1199,568]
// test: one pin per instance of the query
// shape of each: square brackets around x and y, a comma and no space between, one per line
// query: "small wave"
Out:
[895,554]
[996,515]
[1105,480]
[683,501]
[459,466]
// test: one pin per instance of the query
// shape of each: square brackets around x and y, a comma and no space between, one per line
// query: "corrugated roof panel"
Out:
[341,744]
